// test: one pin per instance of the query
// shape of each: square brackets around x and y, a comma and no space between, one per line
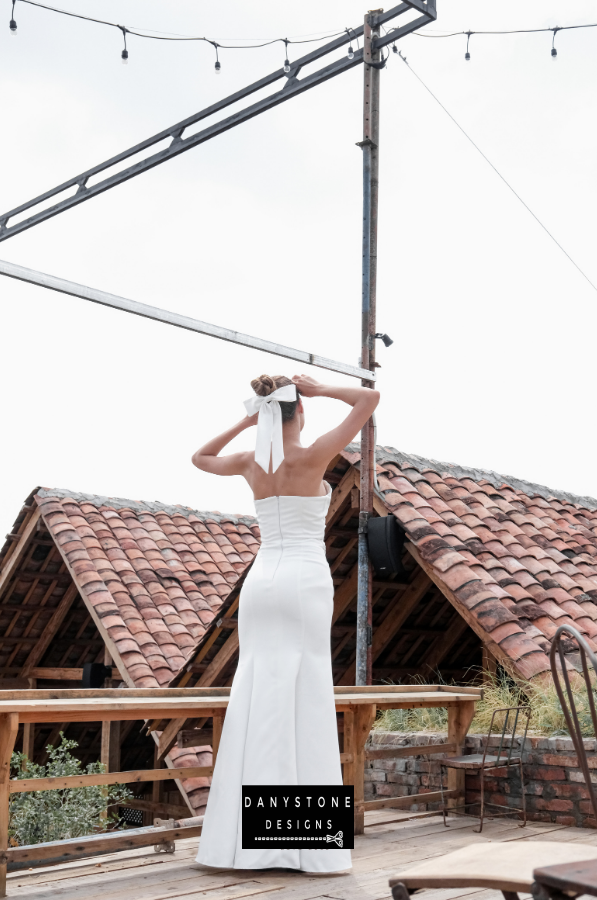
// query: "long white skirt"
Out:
[280,727]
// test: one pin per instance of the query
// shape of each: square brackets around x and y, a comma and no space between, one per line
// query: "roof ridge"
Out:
[476,474]
[151,506]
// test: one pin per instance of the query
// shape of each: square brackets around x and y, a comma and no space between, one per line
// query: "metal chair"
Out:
[560,673]
[485,762]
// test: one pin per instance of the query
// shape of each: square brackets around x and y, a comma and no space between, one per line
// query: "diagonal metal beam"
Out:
[179,321]
[179,144]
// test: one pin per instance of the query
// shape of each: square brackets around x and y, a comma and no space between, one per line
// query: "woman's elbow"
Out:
[196,459]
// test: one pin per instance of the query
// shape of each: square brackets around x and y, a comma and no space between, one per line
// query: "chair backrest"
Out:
[567,700]
[516,721]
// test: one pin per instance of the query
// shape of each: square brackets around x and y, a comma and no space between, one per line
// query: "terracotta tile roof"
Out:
[154,576]
[517,559]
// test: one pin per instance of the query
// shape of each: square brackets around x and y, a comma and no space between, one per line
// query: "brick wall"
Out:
[554,784]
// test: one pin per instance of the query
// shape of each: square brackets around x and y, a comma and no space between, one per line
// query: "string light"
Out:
[124,56]
[554,52]
[286,63]
[467,55]
[350,51]
[217,66]
[13,24]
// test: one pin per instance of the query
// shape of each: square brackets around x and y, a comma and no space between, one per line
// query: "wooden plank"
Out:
[9,726]
[19,547]
[110,746]
[399,752]
[345,594]
[340,494]
[364,717]
[195,737]
[134,777]
[402,802]
[50,630]
[218,725]
[63,851]
[509,866]
[113,693]
[56,674]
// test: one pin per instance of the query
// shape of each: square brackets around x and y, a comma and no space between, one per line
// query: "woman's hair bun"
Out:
[267,384]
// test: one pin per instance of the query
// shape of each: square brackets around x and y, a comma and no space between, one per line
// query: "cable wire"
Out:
[428,34]
[498,173]
[164,37]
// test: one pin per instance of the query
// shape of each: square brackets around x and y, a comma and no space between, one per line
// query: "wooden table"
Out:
[358,705]
[570,879]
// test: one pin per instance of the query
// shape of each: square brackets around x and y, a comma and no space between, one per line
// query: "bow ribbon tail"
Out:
[265,432]
[277,438]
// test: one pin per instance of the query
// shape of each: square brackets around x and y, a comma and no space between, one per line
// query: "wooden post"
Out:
[29,732]
[9,726]
[459,720]
[364,717]
[218,724]
[349,747]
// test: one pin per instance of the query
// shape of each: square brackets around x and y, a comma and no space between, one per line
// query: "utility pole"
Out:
[370,149]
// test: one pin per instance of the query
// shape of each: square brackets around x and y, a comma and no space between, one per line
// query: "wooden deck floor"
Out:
[392,841]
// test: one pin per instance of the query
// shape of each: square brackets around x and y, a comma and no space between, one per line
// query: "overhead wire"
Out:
[497,172]
[150,35]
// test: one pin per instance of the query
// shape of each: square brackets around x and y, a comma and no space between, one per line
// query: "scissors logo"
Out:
[336,838]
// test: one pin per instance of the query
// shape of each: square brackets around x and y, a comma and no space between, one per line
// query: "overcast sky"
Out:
[259,230]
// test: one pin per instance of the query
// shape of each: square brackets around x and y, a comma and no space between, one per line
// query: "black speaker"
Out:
[385,539]
[94,674]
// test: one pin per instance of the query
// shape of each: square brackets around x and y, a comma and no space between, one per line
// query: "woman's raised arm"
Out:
[207,459]
[363,402]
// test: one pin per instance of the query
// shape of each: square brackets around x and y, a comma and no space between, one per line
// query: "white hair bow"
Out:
[269,425]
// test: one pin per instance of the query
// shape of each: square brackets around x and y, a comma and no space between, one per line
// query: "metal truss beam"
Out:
[179,321]
[179,144]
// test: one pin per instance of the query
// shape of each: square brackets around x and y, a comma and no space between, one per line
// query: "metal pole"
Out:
[369,145]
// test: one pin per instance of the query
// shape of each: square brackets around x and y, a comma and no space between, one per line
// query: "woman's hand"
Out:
[307,386]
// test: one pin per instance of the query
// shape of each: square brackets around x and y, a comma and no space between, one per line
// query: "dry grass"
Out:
[499,690]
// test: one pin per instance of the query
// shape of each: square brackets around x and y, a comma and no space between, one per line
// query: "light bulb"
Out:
[395,48]
[350,53]
[554,53]
[124,56]
[286,66]
[13,26]
[218,67]
[467,56]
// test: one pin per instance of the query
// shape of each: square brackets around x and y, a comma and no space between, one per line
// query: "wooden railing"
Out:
[358,706]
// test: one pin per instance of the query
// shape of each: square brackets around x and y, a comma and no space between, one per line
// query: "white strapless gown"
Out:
[280,727]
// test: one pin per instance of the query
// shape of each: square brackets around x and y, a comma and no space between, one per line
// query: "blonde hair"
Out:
[267,384]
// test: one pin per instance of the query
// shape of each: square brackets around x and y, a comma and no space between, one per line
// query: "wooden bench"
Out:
[506,867]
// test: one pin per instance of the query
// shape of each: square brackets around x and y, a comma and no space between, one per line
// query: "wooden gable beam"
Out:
[396,617]
[466,614]
[50,630]
[10,564]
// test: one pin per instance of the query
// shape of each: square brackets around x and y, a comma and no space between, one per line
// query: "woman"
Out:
[280,727]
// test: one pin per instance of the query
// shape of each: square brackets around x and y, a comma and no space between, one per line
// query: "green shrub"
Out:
[56,815]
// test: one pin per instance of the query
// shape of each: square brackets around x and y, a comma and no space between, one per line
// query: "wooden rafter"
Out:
[49,632]
[492,646]
[19,548]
